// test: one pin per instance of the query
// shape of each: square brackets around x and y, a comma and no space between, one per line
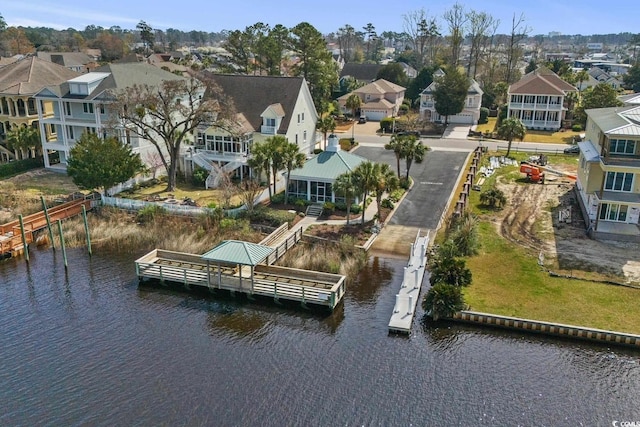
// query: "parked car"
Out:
[362,119]
[574,149]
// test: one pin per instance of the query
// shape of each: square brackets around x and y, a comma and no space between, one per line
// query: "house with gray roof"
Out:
[265,106]
[608,179]
[537,99]
[81,104]
[76,61]
[314,181]
[468,116]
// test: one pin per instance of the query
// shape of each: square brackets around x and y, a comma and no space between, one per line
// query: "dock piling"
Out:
[46,216]
[86,229]
[25,247]
[64,249]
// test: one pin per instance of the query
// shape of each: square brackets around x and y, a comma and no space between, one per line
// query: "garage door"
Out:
[374,115]
[465,119]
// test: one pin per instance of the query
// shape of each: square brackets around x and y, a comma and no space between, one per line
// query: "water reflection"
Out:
[366,287]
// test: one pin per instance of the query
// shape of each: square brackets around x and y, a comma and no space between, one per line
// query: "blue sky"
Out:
[543,16]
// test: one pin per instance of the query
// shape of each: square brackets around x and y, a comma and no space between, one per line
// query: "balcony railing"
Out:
[528,106]
[223,155]
[268,130]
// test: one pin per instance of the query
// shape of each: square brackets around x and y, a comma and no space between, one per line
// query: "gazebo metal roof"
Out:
[238,252]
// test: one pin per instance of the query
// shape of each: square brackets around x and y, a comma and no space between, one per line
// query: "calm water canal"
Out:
[90,347]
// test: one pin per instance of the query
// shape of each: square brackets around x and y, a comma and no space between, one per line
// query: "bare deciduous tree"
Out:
[481,27]
[456,19]
[519,32]
[423,32]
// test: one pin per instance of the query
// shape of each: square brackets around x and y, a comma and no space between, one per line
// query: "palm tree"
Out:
[21,139]
[413,152]
[345,186]
[353,103]
[276,146]
[291,158]
[511,128]
[260,161]
[325,125]
[365,175]
[386,181]
[397,144]
[443,301]
[493,198]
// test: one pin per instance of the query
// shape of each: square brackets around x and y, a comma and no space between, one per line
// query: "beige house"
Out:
[19,82]
[608,181]
[538,98]
[379,99]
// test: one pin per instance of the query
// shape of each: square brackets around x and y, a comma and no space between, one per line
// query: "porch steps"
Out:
[315,209]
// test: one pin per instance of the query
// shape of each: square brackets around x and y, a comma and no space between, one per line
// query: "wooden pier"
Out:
[10,233]
[408,296]
[244,267]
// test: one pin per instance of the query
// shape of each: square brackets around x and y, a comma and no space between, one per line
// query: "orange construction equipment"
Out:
[534,173]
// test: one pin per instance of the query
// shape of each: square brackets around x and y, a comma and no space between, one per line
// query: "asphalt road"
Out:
[434,180]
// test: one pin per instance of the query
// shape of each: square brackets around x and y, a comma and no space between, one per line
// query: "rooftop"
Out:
[238,252]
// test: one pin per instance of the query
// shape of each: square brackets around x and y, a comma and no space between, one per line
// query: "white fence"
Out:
[136,205]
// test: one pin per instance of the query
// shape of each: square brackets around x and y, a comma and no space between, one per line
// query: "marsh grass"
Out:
[330,257]
[116,230]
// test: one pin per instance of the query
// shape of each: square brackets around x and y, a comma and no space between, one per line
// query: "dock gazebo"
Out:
[236,254]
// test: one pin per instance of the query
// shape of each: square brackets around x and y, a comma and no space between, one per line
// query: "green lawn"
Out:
[508,281]
[564,137]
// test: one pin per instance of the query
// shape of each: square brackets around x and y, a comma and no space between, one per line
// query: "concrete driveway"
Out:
[434,181]
[456,132]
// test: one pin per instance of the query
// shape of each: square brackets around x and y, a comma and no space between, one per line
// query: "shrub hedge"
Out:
[14,168]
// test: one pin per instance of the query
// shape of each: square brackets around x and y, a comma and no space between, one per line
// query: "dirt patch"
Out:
[532,219]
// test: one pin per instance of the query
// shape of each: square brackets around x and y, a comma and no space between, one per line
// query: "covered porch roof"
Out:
[238,252]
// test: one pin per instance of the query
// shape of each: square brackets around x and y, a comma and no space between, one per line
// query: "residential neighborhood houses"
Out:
[281,95]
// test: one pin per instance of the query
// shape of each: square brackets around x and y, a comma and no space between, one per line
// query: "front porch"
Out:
[618,231]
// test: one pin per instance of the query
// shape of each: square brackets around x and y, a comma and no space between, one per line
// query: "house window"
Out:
[70,131]
[527,115]
[296,138]
[302,117]
[540,115]
[270,122]
[87,107]
[101,108]
[304,138]
[542,99]
[618,181]
[529,99]
[91,130]
[67,108]
[622,146]
[516,99]
[613,212]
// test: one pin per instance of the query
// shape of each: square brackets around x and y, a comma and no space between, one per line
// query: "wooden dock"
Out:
[279,283]
[408,296]
[10,233]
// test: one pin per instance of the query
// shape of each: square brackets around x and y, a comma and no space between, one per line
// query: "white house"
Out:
[265,106]
[468,116]
[537,99]
[81,104]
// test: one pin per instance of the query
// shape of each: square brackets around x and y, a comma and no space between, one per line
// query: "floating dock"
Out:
[408,296]
[244,267]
